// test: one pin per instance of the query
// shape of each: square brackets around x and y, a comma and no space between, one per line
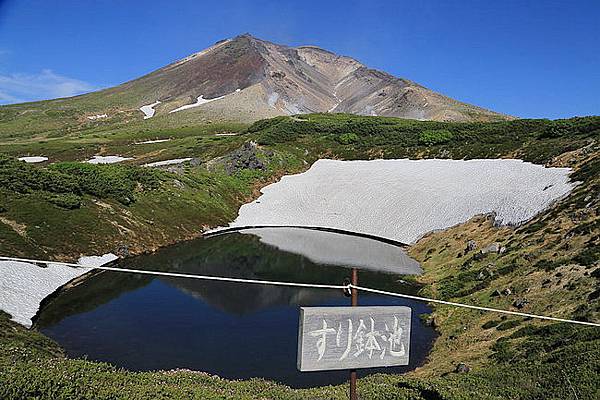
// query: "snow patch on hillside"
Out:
[149,110]
[199,101]
[404,199]
[23,285]
[107,159]
[153,141]
[93,117]
[33,159]
[173,161]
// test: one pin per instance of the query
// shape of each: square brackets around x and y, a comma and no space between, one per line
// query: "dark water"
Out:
[233,330]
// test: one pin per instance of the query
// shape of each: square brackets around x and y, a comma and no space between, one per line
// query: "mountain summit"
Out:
[246,79]
[249,78]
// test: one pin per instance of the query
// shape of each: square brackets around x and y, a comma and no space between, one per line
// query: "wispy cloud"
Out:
[16,88]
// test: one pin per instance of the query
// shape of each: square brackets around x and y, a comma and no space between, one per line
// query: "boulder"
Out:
[492,248]
[462,368]
[471,245]
[520,303]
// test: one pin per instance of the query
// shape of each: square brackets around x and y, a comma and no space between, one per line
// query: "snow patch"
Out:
[97,261]
[404,199]
[199,101]
[33,159]
[273,97]
[336,105]
[153,141]
[173,161]
[149,110]
[92,117]
[107,159]
[23,285]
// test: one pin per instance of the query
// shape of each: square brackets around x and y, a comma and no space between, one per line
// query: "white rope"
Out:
[307,285]
[450,303]
[179,275]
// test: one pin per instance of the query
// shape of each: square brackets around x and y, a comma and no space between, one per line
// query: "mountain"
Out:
[243,79]
[246,79]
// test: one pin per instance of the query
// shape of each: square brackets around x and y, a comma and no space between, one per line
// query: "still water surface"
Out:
[233,330]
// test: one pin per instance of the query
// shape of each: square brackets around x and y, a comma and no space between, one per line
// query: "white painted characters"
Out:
[365,341]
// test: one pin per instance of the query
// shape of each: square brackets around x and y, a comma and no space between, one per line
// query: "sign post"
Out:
[354,303]
[334,338]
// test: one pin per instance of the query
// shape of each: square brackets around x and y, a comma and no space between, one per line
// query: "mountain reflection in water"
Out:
[234,330]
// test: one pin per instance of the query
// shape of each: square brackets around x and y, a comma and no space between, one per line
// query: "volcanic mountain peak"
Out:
[246,79]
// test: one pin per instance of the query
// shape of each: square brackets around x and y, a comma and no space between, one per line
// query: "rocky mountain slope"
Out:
[249,77]
[246,79]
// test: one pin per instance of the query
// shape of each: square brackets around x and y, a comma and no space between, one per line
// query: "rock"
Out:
[278,74]
[485,273]
[194,162]
[462,368]
[496,293]
[471,245]
[502,250]
[122,250]
[520,303]
[429,321]
[492,248]
[529,257]
[178,184]
[507,292]
[176,169]
[244,158]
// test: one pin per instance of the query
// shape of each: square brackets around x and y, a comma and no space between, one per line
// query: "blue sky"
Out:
[530,58]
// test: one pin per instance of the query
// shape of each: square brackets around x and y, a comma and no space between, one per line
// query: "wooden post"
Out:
[354,281]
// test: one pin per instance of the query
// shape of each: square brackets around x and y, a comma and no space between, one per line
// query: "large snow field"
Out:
[404,199]
[24,285]
[339,249]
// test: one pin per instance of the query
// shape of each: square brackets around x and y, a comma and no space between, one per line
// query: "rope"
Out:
[307,285]
[180,275]
[450,303]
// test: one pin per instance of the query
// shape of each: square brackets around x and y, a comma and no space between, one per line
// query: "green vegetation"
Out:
[532,140]
[552,261]
[65,183]
[431,138]
[549,362]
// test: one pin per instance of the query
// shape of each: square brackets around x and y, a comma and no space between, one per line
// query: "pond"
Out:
[233,330]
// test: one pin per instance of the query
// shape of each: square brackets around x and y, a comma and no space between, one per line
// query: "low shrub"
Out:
[432,138]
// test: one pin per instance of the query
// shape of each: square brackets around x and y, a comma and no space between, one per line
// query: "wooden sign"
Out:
[353,337]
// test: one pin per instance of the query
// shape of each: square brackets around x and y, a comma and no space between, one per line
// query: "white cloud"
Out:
[15,88]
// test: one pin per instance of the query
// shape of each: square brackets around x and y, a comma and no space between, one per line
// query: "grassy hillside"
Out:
[551,262]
